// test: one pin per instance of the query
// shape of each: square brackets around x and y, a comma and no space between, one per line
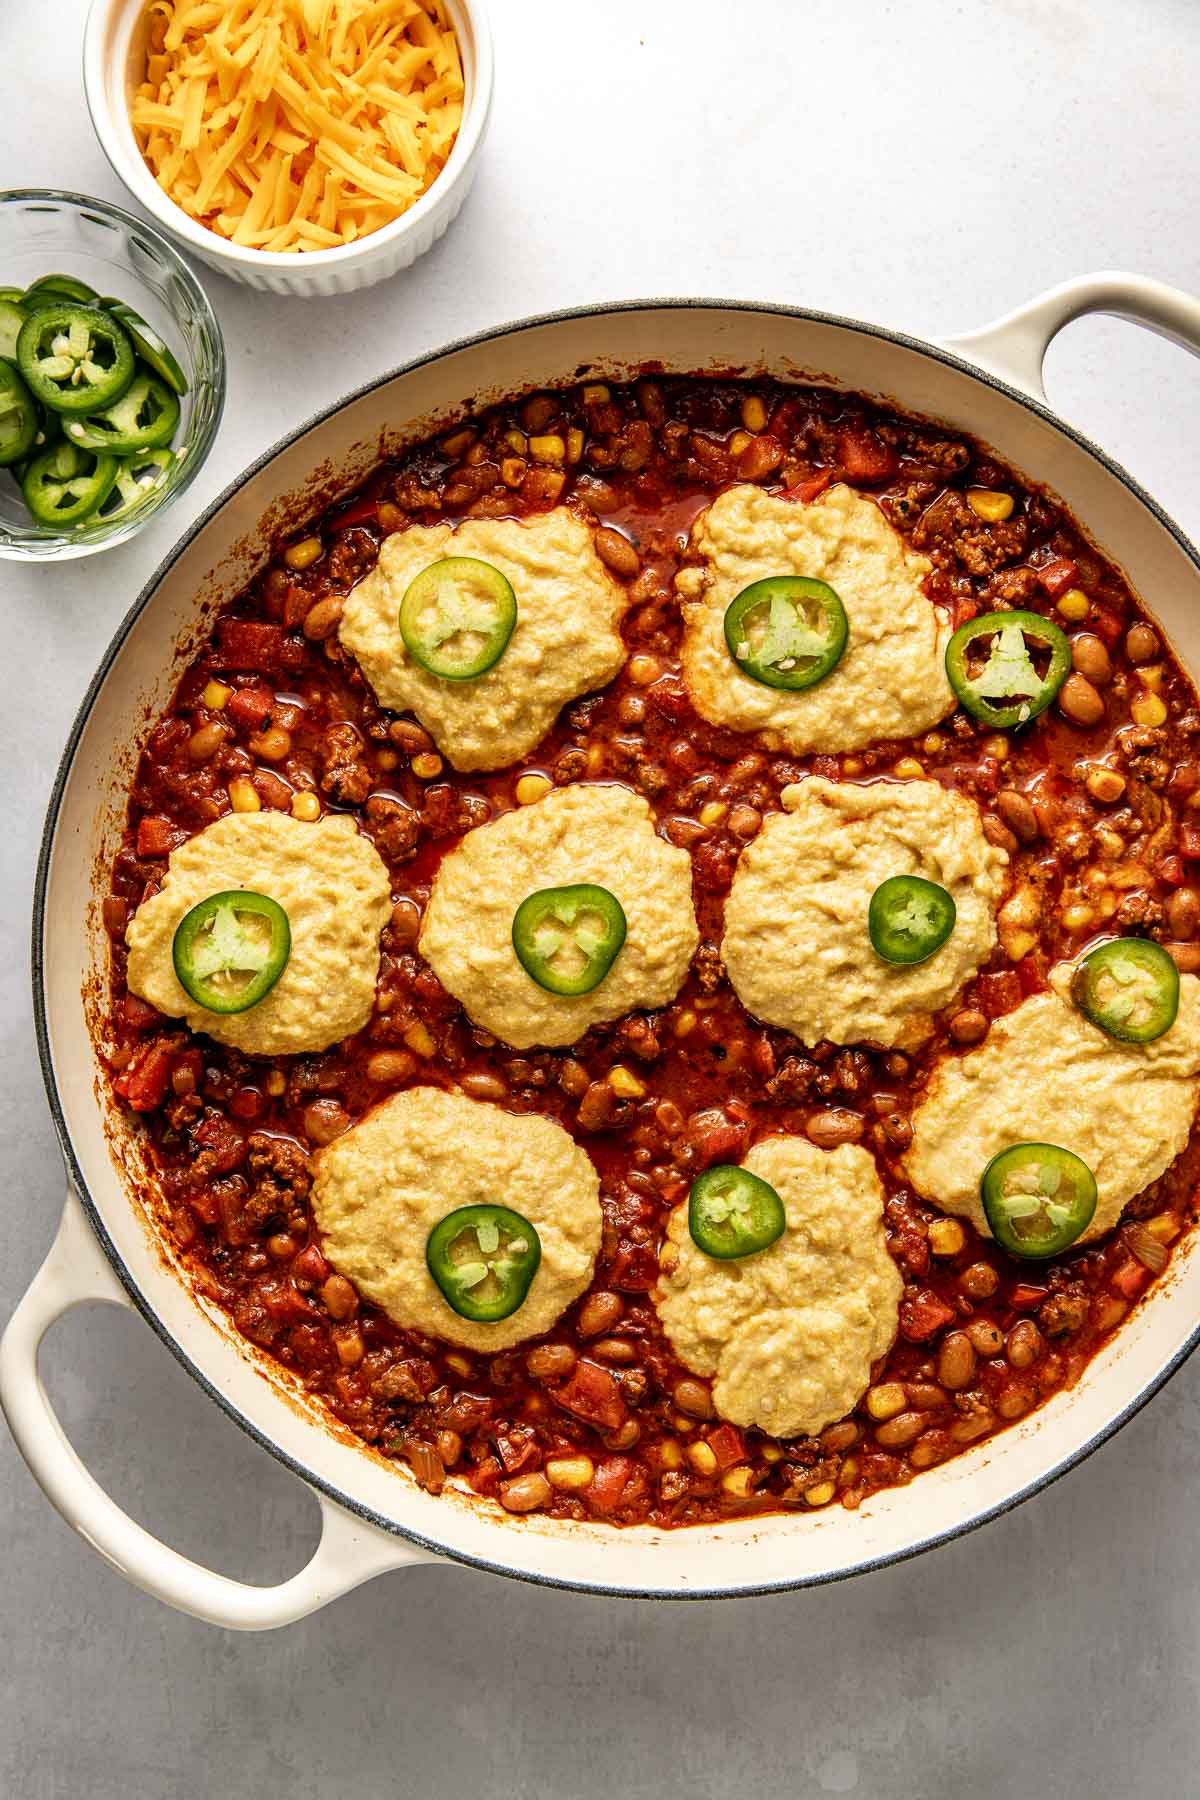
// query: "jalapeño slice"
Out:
[149,346]
[231,949]
[786,631]
[909,918]
[567,938]
[74,359]
[1006,667]
[733,1213]
[19,418]
[144,418]
[483,1259]
[1038,1199]
[457,616]
[64,287]
[65,485]
[1129,988]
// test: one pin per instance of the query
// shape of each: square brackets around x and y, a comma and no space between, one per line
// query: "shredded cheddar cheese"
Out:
[297,125]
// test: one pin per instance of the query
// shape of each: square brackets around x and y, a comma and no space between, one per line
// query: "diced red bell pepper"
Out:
[1057,576]
[1189,842]
[716,1137]
[1128,1279]
[999,992]
[594,1395]
[361,512]
[922,1316]
[144,1083]
[157,837]
[285,1302]
[222,1142]
[250,707]
[515,1449]
[1172,871]
[727,1445]
[606,1489]
[1024,1296]
[250,644]
[310,1265]
[863,456]
[808,490]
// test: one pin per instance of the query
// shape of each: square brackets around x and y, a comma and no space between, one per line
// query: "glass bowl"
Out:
[43,232]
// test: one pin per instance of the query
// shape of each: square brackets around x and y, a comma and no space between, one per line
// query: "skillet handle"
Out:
[350,1551]
[1015,346]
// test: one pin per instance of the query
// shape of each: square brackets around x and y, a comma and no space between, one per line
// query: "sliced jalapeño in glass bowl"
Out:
[909,918]
[787,631]
[733,1213]
[483,1259]
[457,617]
[231,949]
[1038,1199]
[1129,987]
[1006,667]
[567,938]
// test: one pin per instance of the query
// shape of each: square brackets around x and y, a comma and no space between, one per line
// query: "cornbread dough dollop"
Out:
[380,1189]
[1044,1074]
[594,833]
[333,886]
[891,681]
[796,946]
[567,639]
[789,1333]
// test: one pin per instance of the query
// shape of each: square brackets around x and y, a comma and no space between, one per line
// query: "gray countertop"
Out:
[919,163]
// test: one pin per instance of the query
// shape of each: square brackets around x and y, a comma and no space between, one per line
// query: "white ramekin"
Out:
[112,51]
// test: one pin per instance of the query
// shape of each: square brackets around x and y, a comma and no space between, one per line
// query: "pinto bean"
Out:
[968,1025]
[835,1125]
[615,549]
[1090,657]
[1018,814]
[1079,701]
[524,1493]
[1183,913]
[599,1313]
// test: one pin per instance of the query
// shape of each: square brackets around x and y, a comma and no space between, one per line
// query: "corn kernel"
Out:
[420,1039]
[670,1456]
[624,1083]
[885,1401]
[988,505]
[1152,677]
[771,1453]
[685,1023]
[426,765]
[1107,905]
[908,769]
[680,1421]
[569,1473]
[1078,918]
[932,742]
[946,1237]
[461,1365]
[275,1084]
[754,413]
[273,744]
[1105,785]
[848,1471]
[531,787]
[243,796]
[739,1482]
[1164,1226]
[738,442]
[643,670]
[1017,944]
[997,747]
[574,444]
[1111,843]
[548,449]
[702,1458]
[595,393]
[712,812]
[304,554]
[1148,709]
[517,442]
[513,470]
[851,766]
[819,1495]
[595,756]
[1074,604]
[215,695]
[306,807]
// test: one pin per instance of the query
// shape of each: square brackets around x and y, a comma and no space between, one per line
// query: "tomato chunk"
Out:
[250,707]
[863,456]
[157,837]
[594,1395]
[922,1316]
[606,1489]
[144,1083]
[250,644]
[1057,576]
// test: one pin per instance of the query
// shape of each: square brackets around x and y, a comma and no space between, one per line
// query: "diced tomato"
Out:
[594,1395]
[606,1489]
[222,1142]
[283,1301]
[250,707]
[716,1137]
[669,696]
[362,512]
[1128,1279]
[922,1316]
[515,1449]
[138,1015]
[809,489]
[144,1083]
[157,837]
[187,1071]
[1106,625]
[1189,842]
[206,1205]
[727,1445]
[1171,870]
[634,1267]
[1024,1296]
[250,644]
[246,1103]
[863,456]
[1057,576]
[999,993]
[310,1265]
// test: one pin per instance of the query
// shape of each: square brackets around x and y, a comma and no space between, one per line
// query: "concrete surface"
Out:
[921,163]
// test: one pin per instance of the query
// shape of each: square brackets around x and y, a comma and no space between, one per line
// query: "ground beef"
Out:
[395,828]
[279,1174]
[344,776]
[709,969]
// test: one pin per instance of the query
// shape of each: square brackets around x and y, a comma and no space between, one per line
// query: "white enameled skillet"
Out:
[375,1517]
